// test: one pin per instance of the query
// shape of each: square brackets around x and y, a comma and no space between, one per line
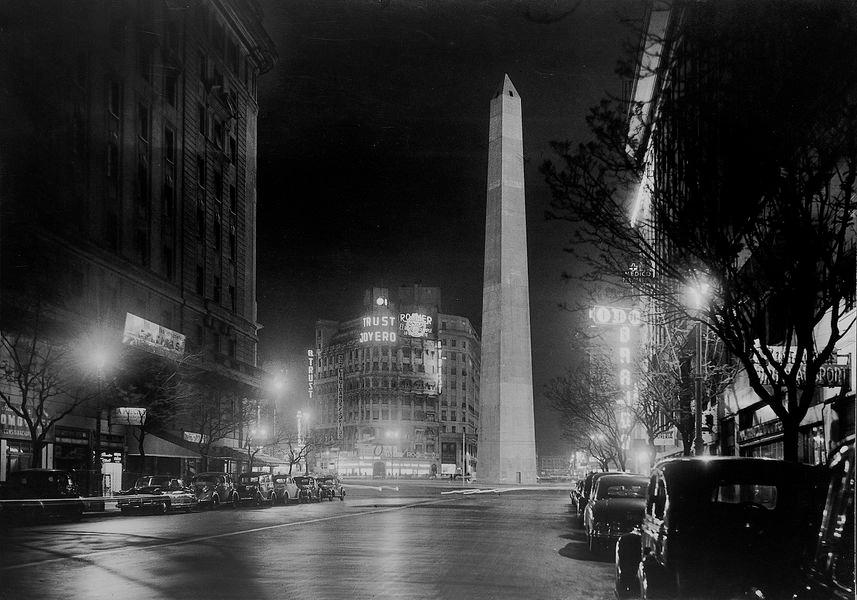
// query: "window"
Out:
[217,289]
[171,87]
[232,297]
[167,262]
[143,122]
[144,62]
[746,493]
[233,149]
[217,233]
[169,145]
[200,222]
[233,199]
[203,68]
[141,247]
[232,55]
[232,245]
[142,181]
[112,160]
[219,133]
[218,185]
[200,285]
[114,98]
[202,117]
[200,171]
[233,347]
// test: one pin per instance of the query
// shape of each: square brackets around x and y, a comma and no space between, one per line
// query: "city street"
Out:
[414,543]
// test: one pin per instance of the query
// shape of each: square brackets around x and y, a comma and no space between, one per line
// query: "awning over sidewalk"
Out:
[155,445]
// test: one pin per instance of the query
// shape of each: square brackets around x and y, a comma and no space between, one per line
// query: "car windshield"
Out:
[303,480]
[206,479]
[249,479]
[756,494]
[281,480]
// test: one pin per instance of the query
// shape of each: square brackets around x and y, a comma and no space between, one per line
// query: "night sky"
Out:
[373,154]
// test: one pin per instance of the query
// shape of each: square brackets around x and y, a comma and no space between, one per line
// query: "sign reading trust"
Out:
[152,337]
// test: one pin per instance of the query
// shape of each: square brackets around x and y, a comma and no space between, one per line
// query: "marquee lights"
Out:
[611,315]
[310,373]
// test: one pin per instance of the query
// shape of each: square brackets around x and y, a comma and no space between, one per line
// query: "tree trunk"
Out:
[686,443]
[790,439]
[140,439]
[38,446]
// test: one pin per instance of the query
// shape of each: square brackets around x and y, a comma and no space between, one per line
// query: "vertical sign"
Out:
[310,373]
[339,397]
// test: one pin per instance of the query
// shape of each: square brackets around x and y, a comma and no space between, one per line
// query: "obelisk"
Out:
[507,442]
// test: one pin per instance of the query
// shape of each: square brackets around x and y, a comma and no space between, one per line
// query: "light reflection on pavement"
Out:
[416,543]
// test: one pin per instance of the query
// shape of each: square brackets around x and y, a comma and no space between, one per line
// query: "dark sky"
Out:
[373,154]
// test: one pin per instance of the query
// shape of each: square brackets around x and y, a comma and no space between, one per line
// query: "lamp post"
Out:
[100,361]
[699,291]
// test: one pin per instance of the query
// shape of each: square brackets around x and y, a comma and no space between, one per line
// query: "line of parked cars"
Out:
[213,489]
[726,527]
[38,494]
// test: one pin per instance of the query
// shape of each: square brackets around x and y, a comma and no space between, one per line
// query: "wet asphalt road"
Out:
[412,543]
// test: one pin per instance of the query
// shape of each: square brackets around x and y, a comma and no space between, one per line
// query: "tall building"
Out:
[707,144]
[395,390]
[130,189]
[507,429]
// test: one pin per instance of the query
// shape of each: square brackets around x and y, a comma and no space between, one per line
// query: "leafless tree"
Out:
[748,184]
[44,379]
[587,401]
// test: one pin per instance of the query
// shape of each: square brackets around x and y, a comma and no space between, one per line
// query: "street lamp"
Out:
[99,361]
[698,293]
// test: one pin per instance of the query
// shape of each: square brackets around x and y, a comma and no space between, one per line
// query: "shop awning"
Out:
[155,445]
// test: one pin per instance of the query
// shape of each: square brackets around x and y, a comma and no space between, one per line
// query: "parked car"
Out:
[34,494]
[828,572]
[257,488]
[285,489]
[720,527]
[330,487]
[617,506]
[307,489]
[213,489]
[157,493]
[588,486]
[576,492]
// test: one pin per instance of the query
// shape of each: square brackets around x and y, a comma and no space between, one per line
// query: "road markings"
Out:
[206,538]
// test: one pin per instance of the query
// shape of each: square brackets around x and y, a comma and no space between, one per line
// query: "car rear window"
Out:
[758,494]
[624,491]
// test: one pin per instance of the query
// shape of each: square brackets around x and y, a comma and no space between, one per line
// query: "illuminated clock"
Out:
[415,326]
[380,301]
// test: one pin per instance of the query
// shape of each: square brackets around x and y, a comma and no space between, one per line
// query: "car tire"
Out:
[164,507]
[341,496]
[235,501]
[123,511]
[215,502]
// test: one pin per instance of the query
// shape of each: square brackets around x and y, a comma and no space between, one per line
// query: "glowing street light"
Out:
[699,293]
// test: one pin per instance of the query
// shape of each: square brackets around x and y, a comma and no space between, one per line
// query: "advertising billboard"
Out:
[418,322]
[378,328]
[152,337]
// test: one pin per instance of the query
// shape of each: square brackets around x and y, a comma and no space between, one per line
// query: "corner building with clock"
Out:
[395,390]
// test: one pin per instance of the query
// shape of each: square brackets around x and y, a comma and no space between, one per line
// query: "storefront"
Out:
[16,448]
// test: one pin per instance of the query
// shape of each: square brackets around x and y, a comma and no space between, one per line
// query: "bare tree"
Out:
[748,184]
[44,380]
[587,402]
[212,416]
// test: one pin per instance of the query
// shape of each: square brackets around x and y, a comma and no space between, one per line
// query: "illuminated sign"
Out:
[611,315]
[418,322]
[378,328]
[152,337]
[128,416]
[834,373]
[310,372]
[340,387]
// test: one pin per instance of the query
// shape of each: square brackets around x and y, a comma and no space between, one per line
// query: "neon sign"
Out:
[378,328]
[310,373]
[416,324]
[611,315]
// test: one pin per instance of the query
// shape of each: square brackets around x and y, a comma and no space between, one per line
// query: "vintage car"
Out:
[575,493]
[617,506]
[307,489]
[213,489]
[158,494]
[257,488]
[720,527]
[828,572]
[33,494]
[285,489]
[330,487]
[587,487]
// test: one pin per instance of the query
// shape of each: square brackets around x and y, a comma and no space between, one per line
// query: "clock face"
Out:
[379,301]
[415,326]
